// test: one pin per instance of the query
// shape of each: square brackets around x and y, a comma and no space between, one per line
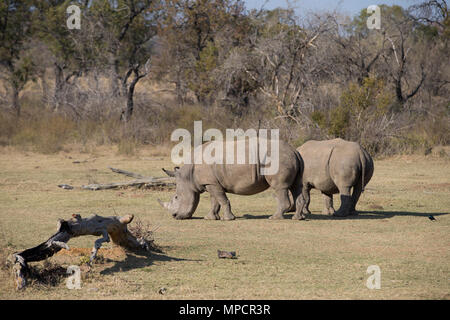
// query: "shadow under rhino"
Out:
[360,215]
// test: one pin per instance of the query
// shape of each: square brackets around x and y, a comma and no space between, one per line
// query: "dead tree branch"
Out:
[127,173]
[109,228]
[140,182]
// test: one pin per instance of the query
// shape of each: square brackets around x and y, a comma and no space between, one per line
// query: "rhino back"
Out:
[245,179]
[336,162]
[316,156]
[347,163]
[239,178]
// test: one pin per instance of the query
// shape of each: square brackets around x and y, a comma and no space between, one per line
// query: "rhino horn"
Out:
[163,204]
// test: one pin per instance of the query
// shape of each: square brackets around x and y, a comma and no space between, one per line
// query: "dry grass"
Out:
[321,258]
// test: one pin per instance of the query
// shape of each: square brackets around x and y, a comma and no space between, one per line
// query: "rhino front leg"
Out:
[284,203]
[300,204]
[307,198]
[328,204]
[219,194]
[215,208]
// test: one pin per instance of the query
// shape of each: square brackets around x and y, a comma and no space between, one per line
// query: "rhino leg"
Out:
[307,198]
[215,208]
[292,201]
[328,204]
[219,194]
[296,190]
[346,202]
[355,197]
[284,204]
[300,204]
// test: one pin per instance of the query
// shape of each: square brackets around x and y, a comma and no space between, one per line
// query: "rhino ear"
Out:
[169,172]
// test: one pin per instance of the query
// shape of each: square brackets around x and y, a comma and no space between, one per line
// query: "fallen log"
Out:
[109,228]
[127,173]
[142,183]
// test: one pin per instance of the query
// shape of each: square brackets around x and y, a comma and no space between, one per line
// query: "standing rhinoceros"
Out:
[243,179]
[335,166]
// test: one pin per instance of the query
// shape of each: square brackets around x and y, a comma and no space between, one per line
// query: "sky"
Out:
[350,7]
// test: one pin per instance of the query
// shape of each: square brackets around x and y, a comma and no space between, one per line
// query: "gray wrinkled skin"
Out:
[335,166]
[241,179]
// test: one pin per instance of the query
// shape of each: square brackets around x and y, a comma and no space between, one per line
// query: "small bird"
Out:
[431,218]
[162,290]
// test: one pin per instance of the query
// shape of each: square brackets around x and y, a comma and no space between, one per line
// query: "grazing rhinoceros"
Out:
[335,166]
[243,179]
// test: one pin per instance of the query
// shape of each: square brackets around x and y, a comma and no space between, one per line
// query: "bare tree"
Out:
[398,59]
[357,48]
[277,61]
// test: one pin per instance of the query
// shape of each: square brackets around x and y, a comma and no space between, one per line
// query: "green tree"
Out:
[129,27]
[15,30]
[49,23]
[362,110]
[197,36]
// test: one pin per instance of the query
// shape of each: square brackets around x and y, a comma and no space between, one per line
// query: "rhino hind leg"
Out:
[346,202]
[215,208]
[328,204]
[292,201]
[284,204]
[295,191]
[355,197]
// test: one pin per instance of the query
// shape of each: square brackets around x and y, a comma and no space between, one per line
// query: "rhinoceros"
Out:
[335,166]
[242,178]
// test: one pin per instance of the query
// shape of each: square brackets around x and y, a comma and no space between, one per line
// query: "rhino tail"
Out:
[299,177]
[362,159]
[327,167]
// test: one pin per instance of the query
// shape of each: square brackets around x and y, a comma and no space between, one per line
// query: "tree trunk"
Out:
[59,87]
[128,112]
[45,91]
[398,91]
[179,90]
[15,100]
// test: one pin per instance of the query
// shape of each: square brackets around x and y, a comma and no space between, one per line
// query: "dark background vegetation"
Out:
[138,69]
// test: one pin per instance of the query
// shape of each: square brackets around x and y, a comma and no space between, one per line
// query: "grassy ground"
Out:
[321,258]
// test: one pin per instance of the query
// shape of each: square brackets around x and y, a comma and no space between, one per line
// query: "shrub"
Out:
[365,114]
[127,147]
[47,134]
[8,128]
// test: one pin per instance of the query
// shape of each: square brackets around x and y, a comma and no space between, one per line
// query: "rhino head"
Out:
[186,199]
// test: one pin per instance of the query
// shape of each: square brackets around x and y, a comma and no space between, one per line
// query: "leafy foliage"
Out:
[322,76]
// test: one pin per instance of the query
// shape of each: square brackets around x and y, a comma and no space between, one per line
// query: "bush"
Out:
[8,129]
[47,134]
[365,114]
[127,147]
